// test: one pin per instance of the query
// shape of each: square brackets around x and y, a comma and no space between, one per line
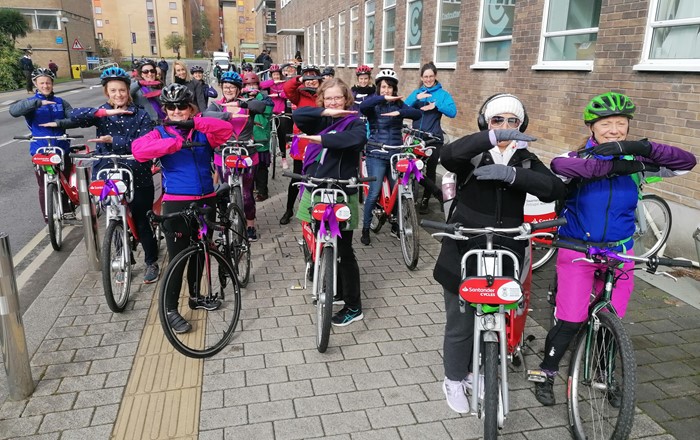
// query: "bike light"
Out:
[55,159]
[342,212]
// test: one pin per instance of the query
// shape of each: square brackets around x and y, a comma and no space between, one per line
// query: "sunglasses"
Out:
[498,121]
[146,72]
[181,106]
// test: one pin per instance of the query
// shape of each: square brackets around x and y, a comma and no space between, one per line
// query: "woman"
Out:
[261,132]
[603,181]
[434,102]
[301,92]
[275,89]
[200,88]
[495,171]
[364,87]
[187,178]
[118,122]
[240,112]
[336,137]
[145,90]
[385,114]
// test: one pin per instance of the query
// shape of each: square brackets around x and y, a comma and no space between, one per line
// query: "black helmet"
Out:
[175,94]
[194,69]
[42,72]
[146,62]
[328,71]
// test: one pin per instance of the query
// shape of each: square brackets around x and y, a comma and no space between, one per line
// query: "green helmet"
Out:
[608,104]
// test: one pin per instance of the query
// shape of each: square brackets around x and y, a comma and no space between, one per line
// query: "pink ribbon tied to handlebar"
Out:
[607,253]
[411,169]
[294,148]
[329,216]
[108,186]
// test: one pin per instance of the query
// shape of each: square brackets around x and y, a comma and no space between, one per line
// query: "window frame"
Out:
[365,50]
[33,16]
[406,47]
[341,39]
[331,42]
[436,45]
[384,64]
[322,44]
[478,64]
[173,20]
[309,45]
[354,26]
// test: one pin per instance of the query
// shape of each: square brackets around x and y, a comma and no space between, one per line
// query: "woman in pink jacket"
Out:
[275,88]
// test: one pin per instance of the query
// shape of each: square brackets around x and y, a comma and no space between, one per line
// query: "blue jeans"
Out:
[378,168]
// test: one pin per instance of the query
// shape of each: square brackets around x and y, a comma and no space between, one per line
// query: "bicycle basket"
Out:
[503,290]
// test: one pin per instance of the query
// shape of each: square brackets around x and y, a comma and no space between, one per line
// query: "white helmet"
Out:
[387,74]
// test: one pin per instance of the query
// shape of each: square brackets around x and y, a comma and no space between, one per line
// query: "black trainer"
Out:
[423,206]
[614,394]
[544,391]
[394,230]
[177,322]
[205,303]
[286,217]
[365,236]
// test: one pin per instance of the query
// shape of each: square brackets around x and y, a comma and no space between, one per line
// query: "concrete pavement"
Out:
[101,375]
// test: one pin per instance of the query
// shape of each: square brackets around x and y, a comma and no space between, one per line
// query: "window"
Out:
[309,44]
[496,35]
[98,23]
[414,32]
[172,5]
[369,33]
[388,32]
[447,32]
[173,20]
[100,36]
[323,43]
[570,33]
[331,41]
[317,44]
[672,39]
[341,38]
[42,20]
[241,19]
[354,44]
[98,10]
[241,9]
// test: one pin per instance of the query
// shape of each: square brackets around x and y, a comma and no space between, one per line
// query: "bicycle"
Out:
[320,244]
[501,304]
[601,379]
[274,139]
[49,160]
[211,277]
[406,166]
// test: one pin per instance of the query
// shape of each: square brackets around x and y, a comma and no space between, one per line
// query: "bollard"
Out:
[696,236]
[89,213]
[12,340]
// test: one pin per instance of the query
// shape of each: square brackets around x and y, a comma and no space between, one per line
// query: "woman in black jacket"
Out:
[495,171]
[336,137]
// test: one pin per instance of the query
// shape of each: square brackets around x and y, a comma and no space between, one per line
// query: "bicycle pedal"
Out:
[536,376]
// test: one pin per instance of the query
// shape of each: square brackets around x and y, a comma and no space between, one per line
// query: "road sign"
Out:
[59,40]
[77,45]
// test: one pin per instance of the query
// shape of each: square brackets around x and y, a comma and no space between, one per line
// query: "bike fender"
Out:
[490,336]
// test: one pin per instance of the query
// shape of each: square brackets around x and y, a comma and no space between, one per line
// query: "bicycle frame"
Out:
[49,160]
[236,160]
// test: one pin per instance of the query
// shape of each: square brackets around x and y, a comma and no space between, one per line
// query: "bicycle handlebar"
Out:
[63,137]
[411,130]
[192,210]
[652,260]
[98,156]
[329,180]
[525,228]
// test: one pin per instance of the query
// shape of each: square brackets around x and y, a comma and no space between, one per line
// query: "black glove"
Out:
[188,124]
[511,134]
[626,167]
[634,148]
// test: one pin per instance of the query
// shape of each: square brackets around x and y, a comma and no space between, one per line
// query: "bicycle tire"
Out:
[490,403]
[541,255]
[53,214]
[324,299]
[274,147]
[378,220]
[410,244]
[237,197]
[240,247]
[211,330]
[651,233]
[116,259]
[587,417]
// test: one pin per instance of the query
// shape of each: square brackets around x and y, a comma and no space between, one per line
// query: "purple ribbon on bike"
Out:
[202,233]
[607,253]
[108,186]
[329,216]
[294,148]
[411,169]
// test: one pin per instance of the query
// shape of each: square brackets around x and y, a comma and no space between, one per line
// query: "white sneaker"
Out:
[285,165]
[456,396]
[467,382]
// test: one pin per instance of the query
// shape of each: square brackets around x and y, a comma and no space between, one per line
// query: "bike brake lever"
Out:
[666,274]
[587,260]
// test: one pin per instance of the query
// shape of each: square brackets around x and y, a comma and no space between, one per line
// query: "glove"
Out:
[626,167]
[511,134]
[503,173]
[635,148]
[188,124]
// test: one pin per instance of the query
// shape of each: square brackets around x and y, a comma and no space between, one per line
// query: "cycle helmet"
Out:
[147,62]
[311,68]
[274,68]
[115,73]
[363,70]
[388,75]
[232,78]
[175,94]
[608,104]
[250,78]
[42,72]
[247,67]
[328,71]
[194,69]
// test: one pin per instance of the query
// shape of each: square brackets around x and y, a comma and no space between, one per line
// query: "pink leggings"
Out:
[575,283]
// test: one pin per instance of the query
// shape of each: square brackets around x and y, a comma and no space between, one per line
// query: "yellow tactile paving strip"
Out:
[163,395]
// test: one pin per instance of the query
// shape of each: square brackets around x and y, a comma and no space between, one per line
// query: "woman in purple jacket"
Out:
[602,178]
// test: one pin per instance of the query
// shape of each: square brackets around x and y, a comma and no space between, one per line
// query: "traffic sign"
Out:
[59,40]
[77,45]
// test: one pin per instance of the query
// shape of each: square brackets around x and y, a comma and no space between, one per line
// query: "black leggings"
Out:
[293,191]
[430,172]
[348,272]
[140,205]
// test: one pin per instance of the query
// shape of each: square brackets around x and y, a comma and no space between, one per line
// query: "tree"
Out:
[175,42]
[201,34]
[13,24]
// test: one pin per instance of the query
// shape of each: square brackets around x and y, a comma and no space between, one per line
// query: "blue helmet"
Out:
[115,73]
[233,78]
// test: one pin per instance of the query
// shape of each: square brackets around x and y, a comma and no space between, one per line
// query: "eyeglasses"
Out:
[333,98]
[146,72]
[498,121]
[229,88]
[180,106]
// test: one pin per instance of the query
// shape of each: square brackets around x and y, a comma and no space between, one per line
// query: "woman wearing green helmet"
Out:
[602,172]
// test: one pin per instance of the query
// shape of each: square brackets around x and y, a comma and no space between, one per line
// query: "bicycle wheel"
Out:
[378,220]
[53,213]
[240,247]
[324,299]
[652,225]
[490,404]
[116,266]
[274,149]
[601,400]
[237,194]
[541,254]
[210,278]
[409,233]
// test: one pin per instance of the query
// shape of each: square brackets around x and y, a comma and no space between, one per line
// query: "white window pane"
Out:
[47,21]
[678,42]
[447,54]
[414,31]
[172,5]
[573,14]
[495,51]
[413,56]
[389,28]
[389,57]
[498,18]
[369,7]
[570,48]
[449,21]
[677,9]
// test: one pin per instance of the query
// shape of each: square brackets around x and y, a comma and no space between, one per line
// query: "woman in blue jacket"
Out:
[434,102]
[385,113]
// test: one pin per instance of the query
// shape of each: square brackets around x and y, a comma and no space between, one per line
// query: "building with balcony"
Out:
[266,26]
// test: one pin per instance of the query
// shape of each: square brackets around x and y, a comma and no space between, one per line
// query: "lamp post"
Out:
[64,22]
[131,36]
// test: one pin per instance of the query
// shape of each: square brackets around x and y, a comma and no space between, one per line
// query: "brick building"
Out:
[554,54]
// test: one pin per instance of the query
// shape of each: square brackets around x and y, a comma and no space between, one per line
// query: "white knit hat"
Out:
[504,104]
